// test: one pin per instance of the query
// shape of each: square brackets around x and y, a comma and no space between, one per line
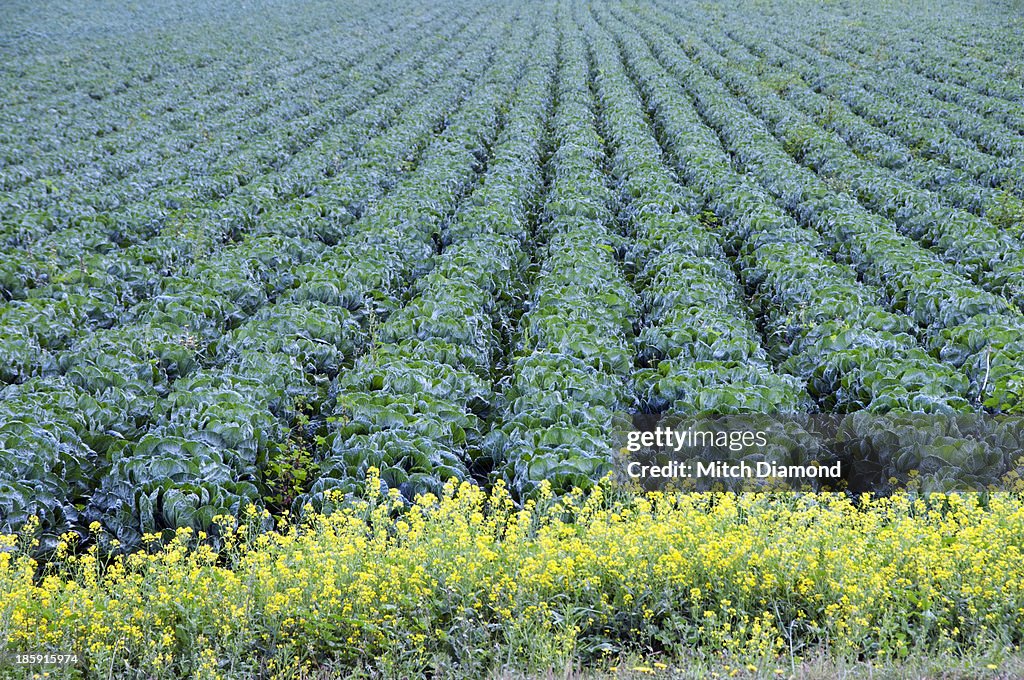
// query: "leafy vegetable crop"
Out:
[247,256]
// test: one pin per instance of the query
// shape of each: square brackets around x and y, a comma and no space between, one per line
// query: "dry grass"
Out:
[820,667]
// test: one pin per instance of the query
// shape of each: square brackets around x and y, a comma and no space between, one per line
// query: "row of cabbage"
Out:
[993,124]
[167,276]
[935,70]
[171,143]
[980,132]
[414,405]
[178,408]
[988,255]
[975,51]
[778,70]
[484,251]
[699,350]
[45,243]
[177,86]
[909,117]
[568,375]
[929,296]
[821,324]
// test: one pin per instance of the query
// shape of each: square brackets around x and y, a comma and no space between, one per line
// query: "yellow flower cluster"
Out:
[473,578]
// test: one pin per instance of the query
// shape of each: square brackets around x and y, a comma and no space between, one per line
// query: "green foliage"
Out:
[470,242]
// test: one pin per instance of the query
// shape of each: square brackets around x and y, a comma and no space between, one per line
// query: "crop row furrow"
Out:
[940,76]
[922,139]
[206,135]
[175,121]
[973,246]
[135,206]
[991,136]
[415,405]
[698,351]
[824,326]
[837,79]
[956,187]
[196,439]
[1006,112]
[106,97]
[569,375]
[170,274]
[915,282]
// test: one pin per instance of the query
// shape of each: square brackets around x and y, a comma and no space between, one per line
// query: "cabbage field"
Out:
[257,253]
[249,254]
